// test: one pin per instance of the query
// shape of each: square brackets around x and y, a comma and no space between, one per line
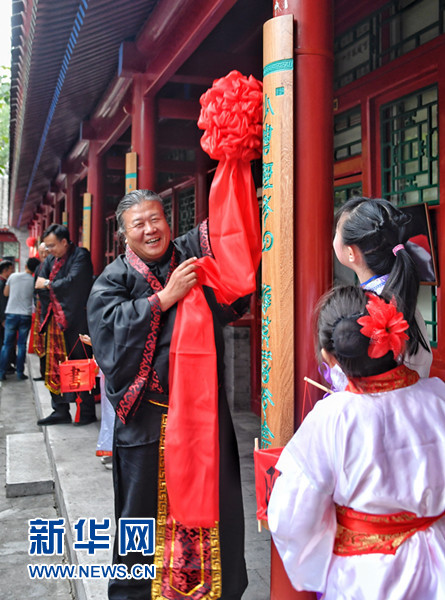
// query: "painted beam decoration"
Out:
[131,176]
[86,222]
[277,286]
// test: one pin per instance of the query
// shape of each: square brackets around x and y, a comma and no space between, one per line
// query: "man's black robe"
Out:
[128,330]
[71,286]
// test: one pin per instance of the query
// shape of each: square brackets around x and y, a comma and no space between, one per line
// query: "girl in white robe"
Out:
[357,510]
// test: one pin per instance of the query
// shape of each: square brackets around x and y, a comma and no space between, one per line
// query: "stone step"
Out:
[28,470]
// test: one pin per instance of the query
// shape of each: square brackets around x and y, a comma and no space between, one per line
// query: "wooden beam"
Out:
[169,108]
[87,131]
[131,61]
[193,79]
[173,32]
[202,68]
[17,19]
[111,190]
[106,128]
[176,166]
[49,199]
[115,163]
[60,180]
[169,135]
[114,97]
[75,168]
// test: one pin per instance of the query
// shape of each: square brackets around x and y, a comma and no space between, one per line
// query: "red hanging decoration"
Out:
[31,241]
[266,474]
[78,375]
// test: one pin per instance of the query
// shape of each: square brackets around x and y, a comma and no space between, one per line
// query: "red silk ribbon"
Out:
[191,442]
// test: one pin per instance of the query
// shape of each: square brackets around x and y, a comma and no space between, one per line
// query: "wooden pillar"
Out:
[277,286]
[95,188]
[313,174]
[71,210]
[277,308]
[143,131]
[313,201]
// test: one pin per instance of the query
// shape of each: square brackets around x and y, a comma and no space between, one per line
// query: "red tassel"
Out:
[78,402]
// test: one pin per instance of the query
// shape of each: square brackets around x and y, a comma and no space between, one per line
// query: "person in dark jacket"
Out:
[68,276]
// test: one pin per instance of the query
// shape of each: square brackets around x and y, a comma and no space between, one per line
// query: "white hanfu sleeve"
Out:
[303,524]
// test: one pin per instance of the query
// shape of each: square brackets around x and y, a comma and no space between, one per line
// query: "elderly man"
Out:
[67,275]
[131,313]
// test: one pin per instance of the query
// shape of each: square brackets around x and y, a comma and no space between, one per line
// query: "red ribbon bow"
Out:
[232,117]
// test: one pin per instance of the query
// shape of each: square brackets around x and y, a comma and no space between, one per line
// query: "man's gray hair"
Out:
[131,199]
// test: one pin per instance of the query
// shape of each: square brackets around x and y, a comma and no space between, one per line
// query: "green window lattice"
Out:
[410,167]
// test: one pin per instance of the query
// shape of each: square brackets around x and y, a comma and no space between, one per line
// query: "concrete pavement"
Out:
[83,489]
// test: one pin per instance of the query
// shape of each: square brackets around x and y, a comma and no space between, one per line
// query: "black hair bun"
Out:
[347,340]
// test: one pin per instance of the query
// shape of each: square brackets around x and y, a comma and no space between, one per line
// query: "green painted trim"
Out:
[285,64]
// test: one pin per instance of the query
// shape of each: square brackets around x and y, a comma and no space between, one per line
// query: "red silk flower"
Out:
[231,115]
[385,326]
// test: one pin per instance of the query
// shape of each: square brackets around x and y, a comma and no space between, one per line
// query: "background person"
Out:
[19,289]
[67,275]
[104,446]
[357,511]
[6,268]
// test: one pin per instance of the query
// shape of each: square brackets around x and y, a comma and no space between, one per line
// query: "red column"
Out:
[201,195]
[439,213]
[95,188]
[143,132]
[313,176]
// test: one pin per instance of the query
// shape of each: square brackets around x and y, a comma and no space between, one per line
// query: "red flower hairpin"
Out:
[385,326]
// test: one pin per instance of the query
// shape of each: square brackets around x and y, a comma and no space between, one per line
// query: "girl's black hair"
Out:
[376,226]
[339,333]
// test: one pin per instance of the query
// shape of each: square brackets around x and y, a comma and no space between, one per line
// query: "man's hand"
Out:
[40,283]
[183,278]
[85,339]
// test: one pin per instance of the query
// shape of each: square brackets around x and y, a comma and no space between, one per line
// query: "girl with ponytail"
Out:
[370,239]
[358,510]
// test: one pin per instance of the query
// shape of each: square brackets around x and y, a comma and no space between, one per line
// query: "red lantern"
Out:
[31,241]
[78,375]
